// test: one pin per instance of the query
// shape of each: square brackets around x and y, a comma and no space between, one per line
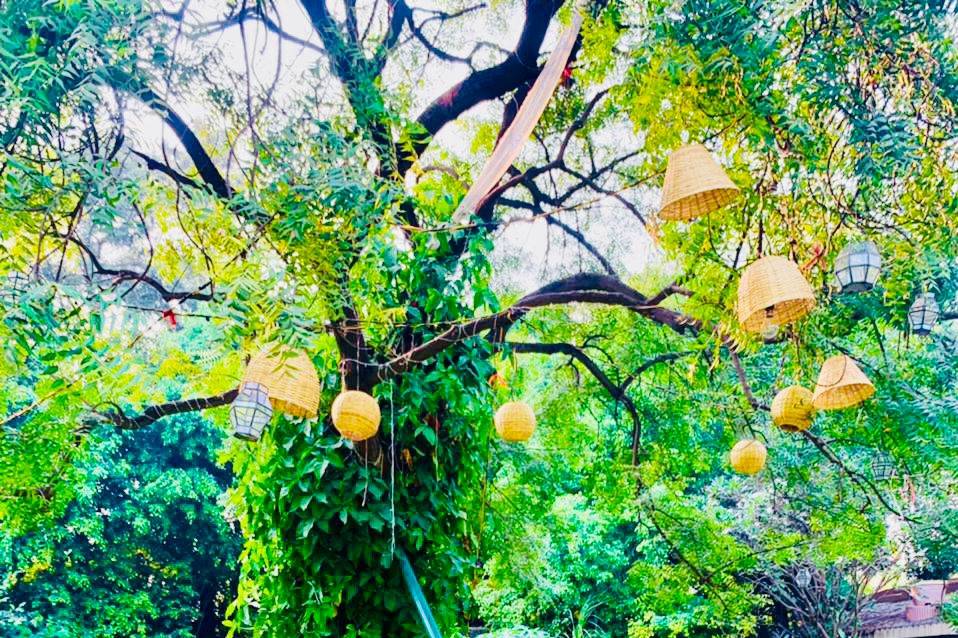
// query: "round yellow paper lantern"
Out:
[772,292]
[841,384]
[792,409]
[748,456]
[356,415]
[515,421]
[290,379]
[695,185]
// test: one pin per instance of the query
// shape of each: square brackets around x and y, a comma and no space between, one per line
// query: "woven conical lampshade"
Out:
[772,290]
[792,409]
[841,384]
[695,185]
[290,378]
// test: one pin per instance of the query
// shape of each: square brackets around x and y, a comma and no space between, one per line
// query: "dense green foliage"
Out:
[143,550]
[285,211]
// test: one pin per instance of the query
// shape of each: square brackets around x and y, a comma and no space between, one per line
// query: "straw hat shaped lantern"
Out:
[841,384]
[515,421]
[748,456]
[923,314]
[695,185]
[290,379]
[356,415]
[772,292]
[792,409]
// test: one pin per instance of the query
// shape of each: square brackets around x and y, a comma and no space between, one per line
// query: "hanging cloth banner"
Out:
[415,591]
[510,144]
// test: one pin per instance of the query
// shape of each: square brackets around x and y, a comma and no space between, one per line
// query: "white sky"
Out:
[527,254]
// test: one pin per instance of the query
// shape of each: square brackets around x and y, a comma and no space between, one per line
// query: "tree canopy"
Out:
[186,183]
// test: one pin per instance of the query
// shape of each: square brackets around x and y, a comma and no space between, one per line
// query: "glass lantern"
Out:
[923,314]
[883,467]
[803,577]
[857,266]
[250,411]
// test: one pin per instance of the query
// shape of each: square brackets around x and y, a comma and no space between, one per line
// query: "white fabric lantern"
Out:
[857,266]
[250,411]
[923,314]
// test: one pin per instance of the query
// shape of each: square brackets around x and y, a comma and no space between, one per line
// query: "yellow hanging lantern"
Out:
[290,379]
[841,384]
[792,409]
[748,456]
[695,185]
[356,415]
[772,292]
[515,421]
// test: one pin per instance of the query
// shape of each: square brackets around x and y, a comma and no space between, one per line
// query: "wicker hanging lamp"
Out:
[923,314]
[792,409]
[748,456]
[841,384]
[289,377]
[857,266]
[356,415]
[695,185]
[772,292]
[515,421]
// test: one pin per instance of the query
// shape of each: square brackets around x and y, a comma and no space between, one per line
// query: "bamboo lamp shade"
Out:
[695,185]
[748,456]
[515,421]
[356,415]
[841,384]
[290,379]
[792,409]
[772,291]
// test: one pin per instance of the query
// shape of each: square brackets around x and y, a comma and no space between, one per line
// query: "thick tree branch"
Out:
[154,413]
[519,67]
[191,143]
[583,288]
[618,393]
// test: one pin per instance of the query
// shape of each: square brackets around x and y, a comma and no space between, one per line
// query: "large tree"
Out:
[181,162]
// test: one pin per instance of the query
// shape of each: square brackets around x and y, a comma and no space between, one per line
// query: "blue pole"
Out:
[415,591]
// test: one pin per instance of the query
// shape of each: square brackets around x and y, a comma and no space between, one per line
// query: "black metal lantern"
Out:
[923,314]
[883,467]
[250,411]
[857,266]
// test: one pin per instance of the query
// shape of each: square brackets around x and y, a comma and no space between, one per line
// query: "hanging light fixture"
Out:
[792,409]
[772,292]
[857,266]
[515,421]
[289,377]
[695,185]
[748,456]
[923,314]
[356,415]
[250,411]
[803,577]
[841,384]
[883,467]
